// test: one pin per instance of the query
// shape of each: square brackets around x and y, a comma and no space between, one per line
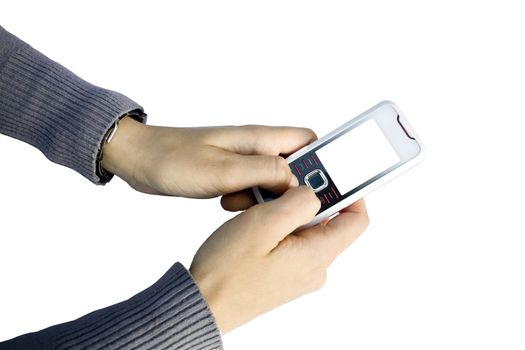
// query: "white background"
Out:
[442,263]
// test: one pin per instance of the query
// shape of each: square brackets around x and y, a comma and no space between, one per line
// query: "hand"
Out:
[204,162]
[254,263]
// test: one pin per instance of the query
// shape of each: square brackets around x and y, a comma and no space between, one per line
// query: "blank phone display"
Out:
[357,156]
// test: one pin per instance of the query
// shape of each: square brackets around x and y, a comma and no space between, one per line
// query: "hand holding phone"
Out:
[253,263]
[354,159]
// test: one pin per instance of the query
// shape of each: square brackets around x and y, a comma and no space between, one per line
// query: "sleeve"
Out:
[171,314]
[44,104]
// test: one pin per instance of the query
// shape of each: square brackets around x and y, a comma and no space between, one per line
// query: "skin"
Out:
[204,162]
[253,263]
[257,260]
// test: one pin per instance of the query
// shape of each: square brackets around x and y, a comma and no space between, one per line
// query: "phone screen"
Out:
[339,168]
[357,156]
[350,161]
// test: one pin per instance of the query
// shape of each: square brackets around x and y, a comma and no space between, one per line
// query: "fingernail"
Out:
[294,182]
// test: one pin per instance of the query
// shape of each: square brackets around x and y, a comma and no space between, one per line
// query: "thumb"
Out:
[273,221]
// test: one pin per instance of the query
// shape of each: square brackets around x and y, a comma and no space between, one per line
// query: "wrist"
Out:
[119,150]
[211,294]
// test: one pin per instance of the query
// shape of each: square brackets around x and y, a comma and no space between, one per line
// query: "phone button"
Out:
[316,180]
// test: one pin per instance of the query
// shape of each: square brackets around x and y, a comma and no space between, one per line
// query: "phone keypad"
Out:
[304,166]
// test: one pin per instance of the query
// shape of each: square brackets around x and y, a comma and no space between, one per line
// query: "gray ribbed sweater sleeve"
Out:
[47,106]
[171,314]
[44,104]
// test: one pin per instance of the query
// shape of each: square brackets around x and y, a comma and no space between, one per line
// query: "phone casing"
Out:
[306,166]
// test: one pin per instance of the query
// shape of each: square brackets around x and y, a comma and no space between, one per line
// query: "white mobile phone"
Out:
[354,159]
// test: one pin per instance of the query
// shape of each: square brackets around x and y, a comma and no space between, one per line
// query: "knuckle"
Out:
[319,279]
[279,167]
[313,201]
[228,164]
[306,199]
[252,131]
[324,257]
[284,213]
[253,136]
[365,221]
[249,126]
[254,214]
[267,215]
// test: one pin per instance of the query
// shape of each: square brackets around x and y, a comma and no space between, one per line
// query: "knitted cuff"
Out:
[49,107]
[171,314]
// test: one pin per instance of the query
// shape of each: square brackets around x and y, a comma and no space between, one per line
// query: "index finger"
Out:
[333,238]
[262,140]
[271,222]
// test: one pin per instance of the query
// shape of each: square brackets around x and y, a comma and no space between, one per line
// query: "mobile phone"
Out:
[354,159]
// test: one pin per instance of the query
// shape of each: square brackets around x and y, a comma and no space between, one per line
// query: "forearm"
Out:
[171,314]
[44,104]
